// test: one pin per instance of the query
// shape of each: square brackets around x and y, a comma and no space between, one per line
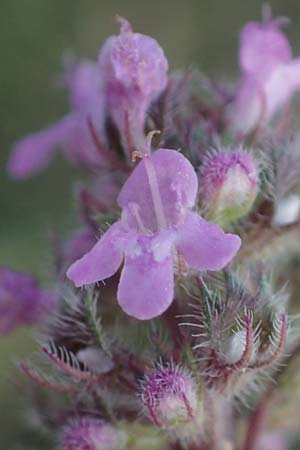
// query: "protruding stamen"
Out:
[148,143]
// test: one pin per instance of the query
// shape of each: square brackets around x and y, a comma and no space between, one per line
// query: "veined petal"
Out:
[204,245]
[177,184]
[102,261]
[146,285]
[34,152]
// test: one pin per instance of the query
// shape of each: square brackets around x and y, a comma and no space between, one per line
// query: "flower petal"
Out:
[34,152]
[83,81]
[102,261]
[249,108]
[283,82]
[177,183]
[147,282]
[204,245]
[263,47]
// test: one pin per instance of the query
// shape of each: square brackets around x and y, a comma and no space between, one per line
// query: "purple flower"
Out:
[156,229]
[90,433]
[269,75]
[134,72]
[131,73]
[169,395]
[229,181]
[22,302]
[34,152]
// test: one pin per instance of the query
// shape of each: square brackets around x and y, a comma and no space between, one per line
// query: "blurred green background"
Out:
[34,34]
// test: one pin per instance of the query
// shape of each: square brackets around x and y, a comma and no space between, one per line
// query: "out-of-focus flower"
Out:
[157,225]
[89,433]
[22,302]
[228,184]
[133,70]
[169,395]
[269,75]
[34,152]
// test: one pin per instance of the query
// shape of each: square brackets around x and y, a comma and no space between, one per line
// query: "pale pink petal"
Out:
[134,69]
[83,81]
[139,61]
[249,108]
[177,182]
[34,152]
[204,245]
[262,48]
[280,86]
[146,285]
[102,261]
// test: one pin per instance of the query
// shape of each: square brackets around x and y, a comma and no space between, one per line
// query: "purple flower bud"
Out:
[228,181]
[89,433]
[22,302]
[169,395]
[134,72]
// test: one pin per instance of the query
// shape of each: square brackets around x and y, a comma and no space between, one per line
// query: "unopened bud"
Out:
[89,433]
[229,181]
[169,395]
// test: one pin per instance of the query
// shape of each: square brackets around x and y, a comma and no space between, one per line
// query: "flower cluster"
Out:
[183,232]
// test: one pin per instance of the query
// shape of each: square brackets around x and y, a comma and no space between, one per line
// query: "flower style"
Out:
[34,152]
[133,70]
[156,228]
[22,302]
[270,75]
[90,433]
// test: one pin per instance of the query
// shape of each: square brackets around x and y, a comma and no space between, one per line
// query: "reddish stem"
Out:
[257,419]
[153,416]
[277,353]
[69,370]
[188,406]
[46,383]
[172,322]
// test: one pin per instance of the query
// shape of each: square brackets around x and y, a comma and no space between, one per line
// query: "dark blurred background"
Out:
[34,34]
